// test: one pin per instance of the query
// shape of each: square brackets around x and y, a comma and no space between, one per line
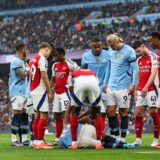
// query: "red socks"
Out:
[159,113]
[41,128]
[98,125]
[103,124]
[35,128]
[156,124]
[59,127]
[138,126]
[74,127]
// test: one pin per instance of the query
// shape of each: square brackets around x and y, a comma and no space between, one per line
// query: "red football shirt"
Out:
[159,67]
[37,64]
[83,72]
[145,65]
[61,71]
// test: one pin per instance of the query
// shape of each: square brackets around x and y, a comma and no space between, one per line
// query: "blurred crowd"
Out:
[65,29]
[120,9]
[16,4]
[154,6]
[5,108]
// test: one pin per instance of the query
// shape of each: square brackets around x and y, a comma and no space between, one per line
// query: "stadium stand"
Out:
[16,4]
[5,108]
[61,26]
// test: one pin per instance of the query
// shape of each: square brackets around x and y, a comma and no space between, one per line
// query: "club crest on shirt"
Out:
[97,61]
[116,55]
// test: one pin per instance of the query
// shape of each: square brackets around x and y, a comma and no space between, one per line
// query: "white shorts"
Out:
[40,103]
[149,100]
[30,109]
[119,98]
[61,102]
[87,137]
[158,105]
[86,86]
[104,100]
[18,102]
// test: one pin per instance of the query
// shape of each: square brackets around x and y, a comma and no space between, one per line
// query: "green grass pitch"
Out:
[25,153]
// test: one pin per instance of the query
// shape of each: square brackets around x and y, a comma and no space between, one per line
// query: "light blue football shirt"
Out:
[17,86]
[66,139]
[97,64]
[123,70]
[28,95]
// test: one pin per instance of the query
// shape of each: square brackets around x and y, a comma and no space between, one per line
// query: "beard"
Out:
[24,56]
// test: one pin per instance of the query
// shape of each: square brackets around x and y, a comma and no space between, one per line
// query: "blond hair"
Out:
[114,37]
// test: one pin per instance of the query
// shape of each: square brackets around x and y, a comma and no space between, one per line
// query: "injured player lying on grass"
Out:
[86,136]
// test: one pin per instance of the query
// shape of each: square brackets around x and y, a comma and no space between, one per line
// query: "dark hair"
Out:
[155,35]
[137,44]
[44,45]
[19,45]
[96,40]
[60,50]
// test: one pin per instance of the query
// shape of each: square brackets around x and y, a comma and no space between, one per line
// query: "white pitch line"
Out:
[151,152]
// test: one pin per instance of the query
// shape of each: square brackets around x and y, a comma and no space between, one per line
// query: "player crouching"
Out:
[85,85]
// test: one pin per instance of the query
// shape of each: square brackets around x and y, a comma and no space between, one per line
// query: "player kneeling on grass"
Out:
[85,85]
[146,94]
[41,93]
[86,136]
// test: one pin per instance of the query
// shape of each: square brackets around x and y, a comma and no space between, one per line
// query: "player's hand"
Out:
[71,90]
[105,88]
[131,90]
[144,92]
[50,97]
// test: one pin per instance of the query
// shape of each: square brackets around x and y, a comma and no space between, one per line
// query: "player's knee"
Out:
[153,110]
[44,115]
[111,112]
[75,111]
[95,111]
[138,113]
[103,114]
[17,111]
[59,115]
[123,112]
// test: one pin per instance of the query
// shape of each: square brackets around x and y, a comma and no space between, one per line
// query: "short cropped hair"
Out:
[155,35]
[96,40]
[137,44]
[19,45]
[60,50]
[44,45]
